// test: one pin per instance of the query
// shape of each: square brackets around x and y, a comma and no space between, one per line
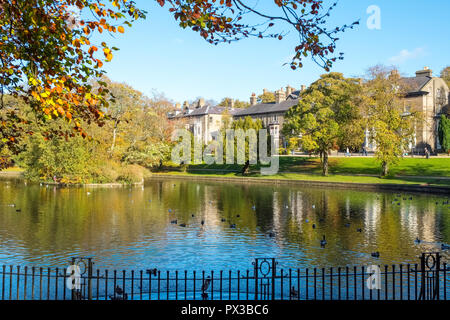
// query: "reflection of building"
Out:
[372,215]
[409,218]
[428,222]
[297,208]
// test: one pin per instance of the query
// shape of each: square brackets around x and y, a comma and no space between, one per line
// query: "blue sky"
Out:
[156,54]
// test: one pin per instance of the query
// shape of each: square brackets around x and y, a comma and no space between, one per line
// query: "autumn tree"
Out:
[229,20]
[69,161]
[445,74]
[48,57]
[228,102]
[122,103]
[137,130]
[323,115]
[135,137]
[266,97]
[246,124]
[251,141]
[390,126]
[148,133]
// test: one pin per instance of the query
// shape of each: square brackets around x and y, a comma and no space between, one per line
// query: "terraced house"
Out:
[272,114]
[427,94]
[204,121]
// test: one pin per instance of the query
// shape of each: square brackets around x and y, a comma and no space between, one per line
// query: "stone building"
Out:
[202,120]
[429,95]
[272,114]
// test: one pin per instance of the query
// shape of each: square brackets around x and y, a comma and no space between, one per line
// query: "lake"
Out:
[130,227]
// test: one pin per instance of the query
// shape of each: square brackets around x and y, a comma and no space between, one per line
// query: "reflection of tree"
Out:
[58,221]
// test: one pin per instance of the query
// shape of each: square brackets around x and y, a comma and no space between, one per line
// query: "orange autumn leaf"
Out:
[121,29]
[92,49]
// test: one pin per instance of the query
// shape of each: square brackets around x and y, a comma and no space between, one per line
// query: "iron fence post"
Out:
[90,264]
[256,277]
[430,263]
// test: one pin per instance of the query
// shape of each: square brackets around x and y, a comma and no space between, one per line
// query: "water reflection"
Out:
[128,228]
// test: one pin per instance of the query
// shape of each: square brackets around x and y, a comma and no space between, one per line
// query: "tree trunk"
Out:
[113,145]
[325,163]
[385,169]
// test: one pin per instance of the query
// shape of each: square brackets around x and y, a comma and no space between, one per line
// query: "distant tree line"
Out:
[134,137]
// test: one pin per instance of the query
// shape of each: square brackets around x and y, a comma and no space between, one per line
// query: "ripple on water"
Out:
[122,229]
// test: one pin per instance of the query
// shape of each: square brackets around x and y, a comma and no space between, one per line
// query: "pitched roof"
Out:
[414,85]
[271,107]
[205,110]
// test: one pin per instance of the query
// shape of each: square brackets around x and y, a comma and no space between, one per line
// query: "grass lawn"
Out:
[341,170]
[405,167]
[439,167]
[330,178]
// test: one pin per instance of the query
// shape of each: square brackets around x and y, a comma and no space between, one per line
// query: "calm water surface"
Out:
[130,228]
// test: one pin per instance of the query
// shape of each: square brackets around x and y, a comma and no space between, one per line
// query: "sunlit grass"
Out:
[310,177]
[439,167]
[410,171]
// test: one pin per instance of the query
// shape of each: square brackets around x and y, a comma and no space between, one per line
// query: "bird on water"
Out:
[323,242]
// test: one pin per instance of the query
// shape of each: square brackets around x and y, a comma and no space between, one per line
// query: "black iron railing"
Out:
[427,280]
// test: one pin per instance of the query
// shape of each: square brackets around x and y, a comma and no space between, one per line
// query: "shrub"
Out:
[132,173]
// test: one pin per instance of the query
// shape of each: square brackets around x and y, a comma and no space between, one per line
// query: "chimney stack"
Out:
[231,103]
[253,99]
[302,88]
[280,96]
[425,72]
[201,103]
[289,90]
[186,107]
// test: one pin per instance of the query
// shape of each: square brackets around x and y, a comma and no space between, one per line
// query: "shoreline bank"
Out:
[393,186]
[314,183]
[19,174]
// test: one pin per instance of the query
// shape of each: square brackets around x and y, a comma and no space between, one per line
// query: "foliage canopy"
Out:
[323,115]
[48,59]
